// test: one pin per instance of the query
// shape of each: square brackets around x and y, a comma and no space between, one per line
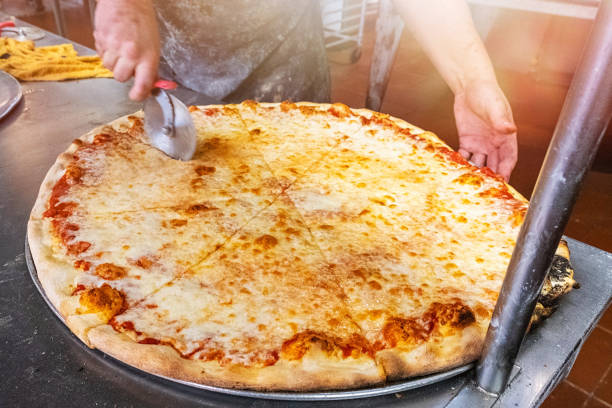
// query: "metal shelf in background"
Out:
[343,22]
[584,9]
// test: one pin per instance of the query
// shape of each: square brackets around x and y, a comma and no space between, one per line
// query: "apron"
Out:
[267,50]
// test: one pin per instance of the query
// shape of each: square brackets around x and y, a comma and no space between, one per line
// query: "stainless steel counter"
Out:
[44,365]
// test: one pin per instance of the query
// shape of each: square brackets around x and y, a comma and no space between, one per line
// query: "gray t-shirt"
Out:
[268,50]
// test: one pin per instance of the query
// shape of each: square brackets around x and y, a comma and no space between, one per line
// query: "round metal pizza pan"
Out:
[10,93]
[388,388]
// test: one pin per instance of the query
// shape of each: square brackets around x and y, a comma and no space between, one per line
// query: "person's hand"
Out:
[487,133]
[127,40]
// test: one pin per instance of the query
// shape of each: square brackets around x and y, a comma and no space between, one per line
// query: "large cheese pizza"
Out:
[304,247]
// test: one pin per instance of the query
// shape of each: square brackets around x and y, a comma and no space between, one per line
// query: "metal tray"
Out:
[10,93]
[388,388]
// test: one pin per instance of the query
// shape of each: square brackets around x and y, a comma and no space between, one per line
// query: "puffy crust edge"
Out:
[56,277]
[309,374]
[445,354]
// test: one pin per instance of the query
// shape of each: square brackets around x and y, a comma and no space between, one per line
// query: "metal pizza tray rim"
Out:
[388,388]
[14,91]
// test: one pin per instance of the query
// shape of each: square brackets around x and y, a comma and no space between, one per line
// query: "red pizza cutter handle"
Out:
[165,84]
[5,24]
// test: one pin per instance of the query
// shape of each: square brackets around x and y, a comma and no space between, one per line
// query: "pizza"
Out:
[304,247]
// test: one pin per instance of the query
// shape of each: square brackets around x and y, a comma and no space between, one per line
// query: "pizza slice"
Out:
[293,137]
[262,312]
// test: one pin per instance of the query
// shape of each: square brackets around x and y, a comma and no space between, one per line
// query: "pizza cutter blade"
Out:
[168,123]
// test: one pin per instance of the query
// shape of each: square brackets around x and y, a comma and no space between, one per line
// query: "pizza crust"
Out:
[313,372]
[445,354]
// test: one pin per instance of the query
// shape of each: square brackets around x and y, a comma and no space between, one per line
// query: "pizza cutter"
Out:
[168,123]
[21,33]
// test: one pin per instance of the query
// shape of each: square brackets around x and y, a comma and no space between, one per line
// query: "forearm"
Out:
[445,30]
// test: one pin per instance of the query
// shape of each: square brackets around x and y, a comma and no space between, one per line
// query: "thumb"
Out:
[500,118]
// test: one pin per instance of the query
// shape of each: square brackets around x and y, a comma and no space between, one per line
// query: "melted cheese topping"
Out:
[245,302]
[295,229]
[294,138]
[404,227]
[123,203]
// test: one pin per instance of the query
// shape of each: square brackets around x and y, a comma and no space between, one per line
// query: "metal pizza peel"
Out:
[168,123]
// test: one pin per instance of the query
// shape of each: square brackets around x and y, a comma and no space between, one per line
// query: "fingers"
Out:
[124,69]
[464,153]
[143,69]
[500,120]
[487,133]
[479,159]
[504,125]
[499,115]
[98,43]
[506,166]
[508,156]
[493,161]
[109,59]
[145,76]
[505,169]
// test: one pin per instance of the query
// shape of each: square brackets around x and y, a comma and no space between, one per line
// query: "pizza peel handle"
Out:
[168,123]
[5,24]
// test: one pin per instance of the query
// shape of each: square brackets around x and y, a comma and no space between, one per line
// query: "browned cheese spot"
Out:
[196,208]
[452,314]
[298,345]
[266,241]
[398,329]
[286,106]
[105,300]
[439,318]
[197,183]
[144,262]
[204,170]
[102,138]
[178,223]
[73,173]
[374,285]
[469,179]
[110,271]
[292,231]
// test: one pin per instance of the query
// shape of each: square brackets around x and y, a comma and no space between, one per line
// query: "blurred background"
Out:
[535,46]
